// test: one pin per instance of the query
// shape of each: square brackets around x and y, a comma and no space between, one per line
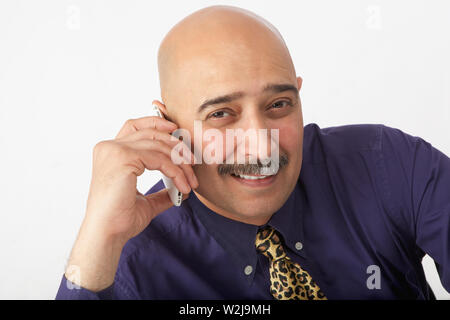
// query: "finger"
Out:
[186,157]
[163,148]
[190,174]
[172,141]
[155,160]
[134,125]
[151,134]
[181,150]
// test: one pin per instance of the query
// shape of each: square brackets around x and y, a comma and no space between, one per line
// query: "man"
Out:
[348,214]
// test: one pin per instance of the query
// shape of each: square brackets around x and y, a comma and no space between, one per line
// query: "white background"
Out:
[71,72]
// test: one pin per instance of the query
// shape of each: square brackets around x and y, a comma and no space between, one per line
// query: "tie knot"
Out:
[268,242]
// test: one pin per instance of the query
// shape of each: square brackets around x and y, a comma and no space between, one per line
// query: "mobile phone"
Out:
[175,195]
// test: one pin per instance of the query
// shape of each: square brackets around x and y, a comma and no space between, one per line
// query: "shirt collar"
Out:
[288,219]
[238,238]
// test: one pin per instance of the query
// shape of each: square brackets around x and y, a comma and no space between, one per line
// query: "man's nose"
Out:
[256,143]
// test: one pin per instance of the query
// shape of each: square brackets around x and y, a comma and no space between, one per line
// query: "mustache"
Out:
[250,168]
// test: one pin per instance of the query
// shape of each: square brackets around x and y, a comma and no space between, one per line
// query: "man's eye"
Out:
[218,114]
[279,104]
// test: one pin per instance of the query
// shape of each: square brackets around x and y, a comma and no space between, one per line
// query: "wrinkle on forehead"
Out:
[213,36]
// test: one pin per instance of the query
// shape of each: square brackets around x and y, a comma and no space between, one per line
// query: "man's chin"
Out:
[257,210]
[252,201]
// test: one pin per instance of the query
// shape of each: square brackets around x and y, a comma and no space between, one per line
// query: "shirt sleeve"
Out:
[427,172]
[431,196]
[70,291]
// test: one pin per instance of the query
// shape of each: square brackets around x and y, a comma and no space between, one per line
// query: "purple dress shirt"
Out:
[370,201]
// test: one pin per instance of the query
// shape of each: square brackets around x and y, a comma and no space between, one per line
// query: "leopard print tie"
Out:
[288,281]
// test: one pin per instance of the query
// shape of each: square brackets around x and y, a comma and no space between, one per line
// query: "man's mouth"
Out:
[251,177]
[254,180]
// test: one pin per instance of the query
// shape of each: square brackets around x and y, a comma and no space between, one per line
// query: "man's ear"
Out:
[161,106]
[299,83]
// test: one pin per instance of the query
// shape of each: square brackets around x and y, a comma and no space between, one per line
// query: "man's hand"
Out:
[116,211]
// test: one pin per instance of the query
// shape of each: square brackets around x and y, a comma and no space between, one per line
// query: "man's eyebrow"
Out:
[272,88]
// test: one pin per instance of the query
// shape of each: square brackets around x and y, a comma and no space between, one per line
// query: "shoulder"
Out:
[319,143]
[345,138]
[349,139]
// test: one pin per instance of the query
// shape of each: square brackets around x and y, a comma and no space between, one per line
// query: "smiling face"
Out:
[244,72]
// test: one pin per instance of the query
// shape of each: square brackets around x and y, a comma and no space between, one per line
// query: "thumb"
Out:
[160,201]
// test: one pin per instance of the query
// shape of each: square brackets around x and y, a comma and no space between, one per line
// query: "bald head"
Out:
[211,36]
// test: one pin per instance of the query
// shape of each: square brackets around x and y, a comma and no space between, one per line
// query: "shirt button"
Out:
[248,270]
[299,246]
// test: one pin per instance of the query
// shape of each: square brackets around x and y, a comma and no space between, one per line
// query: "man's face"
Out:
[223,71]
